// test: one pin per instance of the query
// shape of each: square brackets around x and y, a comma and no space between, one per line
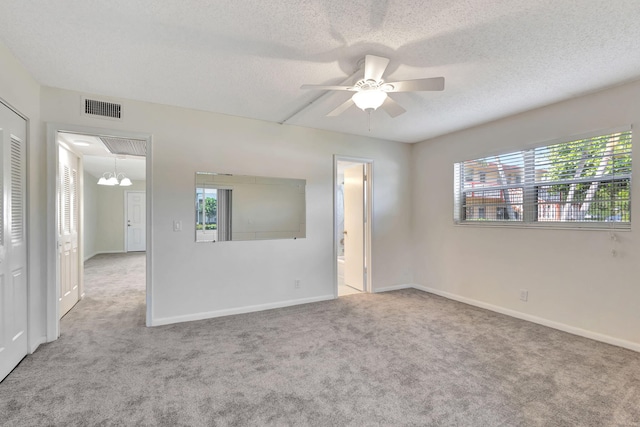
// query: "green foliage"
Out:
[581,159]
[211,206]
[207,226]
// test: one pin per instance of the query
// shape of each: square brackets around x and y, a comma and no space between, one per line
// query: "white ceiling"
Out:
[248,58]
[97,160]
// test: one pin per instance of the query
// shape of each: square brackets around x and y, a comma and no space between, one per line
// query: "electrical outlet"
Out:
[524,295]
[296,284]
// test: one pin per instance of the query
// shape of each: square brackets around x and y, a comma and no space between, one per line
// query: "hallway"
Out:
[114,286]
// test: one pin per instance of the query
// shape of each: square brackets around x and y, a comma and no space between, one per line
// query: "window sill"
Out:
[618,227]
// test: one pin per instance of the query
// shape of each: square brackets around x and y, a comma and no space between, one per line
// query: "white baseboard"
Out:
[34,345]
[88,257]
[393,288]
[535,319]
[103,252]
[240,310]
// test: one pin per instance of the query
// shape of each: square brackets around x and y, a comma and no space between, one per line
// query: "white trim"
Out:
[34,346]
[535,319]
[573,226]
[394,288]
[149,232]
[86,258]
[53,309]
[103,252]
[125,232]
[80,231]
[239,310]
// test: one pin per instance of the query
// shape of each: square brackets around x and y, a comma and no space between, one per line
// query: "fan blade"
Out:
[435,83]
[322,87]
[392,108]
[374,67]
[341,108]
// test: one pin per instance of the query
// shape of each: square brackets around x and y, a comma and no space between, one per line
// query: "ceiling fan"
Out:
[372,91]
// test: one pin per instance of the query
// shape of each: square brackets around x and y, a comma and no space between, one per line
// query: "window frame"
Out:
[530,187]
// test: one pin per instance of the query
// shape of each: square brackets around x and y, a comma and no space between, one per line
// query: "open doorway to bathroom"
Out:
[352,193]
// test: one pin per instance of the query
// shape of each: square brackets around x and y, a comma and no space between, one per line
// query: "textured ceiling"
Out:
[248,58]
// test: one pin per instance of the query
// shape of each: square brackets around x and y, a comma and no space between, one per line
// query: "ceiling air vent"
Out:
[93,107]
[125,146]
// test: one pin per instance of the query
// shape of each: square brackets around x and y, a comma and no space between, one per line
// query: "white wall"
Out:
[111,217]
[104,216]
[22,92]
[571,276]
[197,280]
[90,215]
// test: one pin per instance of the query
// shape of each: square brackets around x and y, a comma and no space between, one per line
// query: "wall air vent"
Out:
[110,110]
[125,146]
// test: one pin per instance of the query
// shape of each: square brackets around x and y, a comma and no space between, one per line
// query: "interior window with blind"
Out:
[582,182]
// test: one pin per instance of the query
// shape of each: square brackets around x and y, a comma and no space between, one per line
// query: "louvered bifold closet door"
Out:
[68,223]
[13,242]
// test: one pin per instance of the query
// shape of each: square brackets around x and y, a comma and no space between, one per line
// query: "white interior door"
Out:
[136,221]
[354,226]
[13,245]
[68,212]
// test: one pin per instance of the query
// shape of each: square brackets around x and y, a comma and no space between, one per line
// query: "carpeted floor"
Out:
[393,359]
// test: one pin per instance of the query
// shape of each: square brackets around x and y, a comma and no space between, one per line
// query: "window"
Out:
[469,175]
[501,213]
[206,209]
[213,214]
[581,182]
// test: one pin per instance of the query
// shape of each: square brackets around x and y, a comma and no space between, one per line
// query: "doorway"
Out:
[69,250]
[112,196]
[352,213]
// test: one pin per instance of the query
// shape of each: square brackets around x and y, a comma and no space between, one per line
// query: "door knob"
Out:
[344,232]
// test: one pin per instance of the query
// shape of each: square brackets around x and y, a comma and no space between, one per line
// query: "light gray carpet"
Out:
[393,359]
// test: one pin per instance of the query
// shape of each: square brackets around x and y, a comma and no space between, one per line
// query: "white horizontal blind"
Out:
[580,182]
[492,188]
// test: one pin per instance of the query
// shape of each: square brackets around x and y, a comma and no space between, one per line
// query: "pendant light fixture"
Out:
[114,178]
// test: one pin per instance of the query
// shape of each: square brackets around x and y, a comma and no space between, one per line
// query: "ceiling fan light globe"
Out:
[369,99]
[125,182]
[112,181]
[102,181]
